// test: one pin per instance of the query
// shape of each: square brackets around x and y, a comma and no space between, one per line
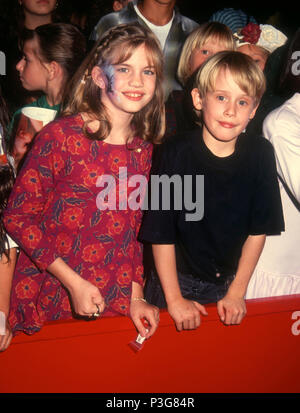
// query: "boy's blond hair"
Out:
[245,72]
[197,39]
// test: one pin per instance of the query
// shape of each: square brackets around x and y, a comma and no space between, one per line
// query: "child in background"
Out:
[20,16]
[211,259]
[203,42]
[31,13]
[266,46]
[70,245]
[51,55]
[8,248]
[258,41]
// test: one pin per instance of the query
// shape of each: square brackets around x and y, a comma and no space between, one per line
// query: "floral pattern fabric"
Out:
[53,212]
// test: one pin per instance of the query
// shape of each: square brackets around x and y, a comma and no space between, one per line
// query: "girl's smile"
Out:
[133,96]
[127,87]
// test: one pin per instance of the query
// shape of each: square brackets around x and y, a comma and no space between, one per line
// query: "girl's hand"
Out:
[186,313]
[5,340]
[86,298]
[22,140]
[231,309]
[139,310]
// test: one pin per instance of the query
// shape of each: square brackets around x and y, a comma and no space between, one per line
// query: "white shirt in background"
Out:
[278,269]
[161,32]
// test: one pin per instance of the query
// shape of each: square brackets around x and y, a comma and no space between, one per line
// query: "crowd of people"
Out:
[96,102]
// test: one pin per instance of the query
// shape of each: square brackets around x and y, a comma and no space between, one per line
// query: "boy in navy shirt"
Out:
[211,258]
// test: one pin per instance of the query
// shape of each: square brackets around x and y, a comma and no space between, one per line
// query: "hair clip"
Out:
[263,35]
[85,77]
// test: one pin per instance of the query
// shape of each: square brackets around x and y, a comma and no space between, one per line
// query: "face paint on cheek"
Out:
[110,75]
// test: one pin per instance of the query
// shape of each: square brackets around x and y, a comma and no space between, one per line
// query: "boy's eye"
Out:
[221,98]
[243,103]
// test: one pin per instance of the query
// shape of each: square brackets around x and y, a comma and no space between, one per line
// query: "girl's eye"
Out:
[205,52]
[122,69]
[149,72]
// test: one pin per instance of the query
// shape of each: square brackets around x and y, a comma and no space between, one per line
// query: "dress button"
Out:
[218,274]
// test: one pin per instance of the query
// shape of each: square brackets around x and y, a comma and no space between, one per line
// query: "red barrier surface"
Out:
[262,355]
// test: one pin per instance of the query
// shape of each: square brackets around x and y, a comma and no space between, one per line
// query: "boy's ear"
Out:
[197,101]
[252,114]
[98,77]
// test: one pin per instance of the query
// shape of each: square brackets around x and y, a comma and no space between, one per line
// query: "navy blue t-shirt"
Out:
[240,197]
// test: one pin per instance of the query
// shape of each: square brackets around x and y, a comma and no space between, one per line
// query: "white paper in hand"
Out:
[2,324]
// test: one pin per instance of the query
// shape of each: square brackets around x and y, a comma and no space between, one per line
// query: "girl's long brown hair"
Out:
[115,47]
[7,178]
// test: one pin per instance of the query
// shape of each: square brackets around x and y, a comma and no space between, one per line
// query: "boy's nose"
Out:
[230,109]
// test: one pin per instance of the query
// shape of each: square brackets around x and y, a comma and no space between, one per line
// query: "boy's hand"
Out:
[186,313]
[231,309]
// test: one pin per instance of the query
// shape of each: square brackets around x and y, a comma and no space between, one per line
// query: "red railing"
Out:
[261,355]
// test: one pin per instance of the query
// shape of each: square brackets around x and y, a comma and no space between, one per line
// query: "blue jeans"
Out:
[191,288]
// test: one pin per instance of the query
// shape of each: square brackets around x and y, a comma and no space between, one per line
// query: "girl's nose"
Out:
[136,80]
[20,65]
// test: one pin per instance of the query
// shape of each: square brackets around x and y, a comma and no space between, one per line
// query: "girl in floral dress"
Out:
[78,258]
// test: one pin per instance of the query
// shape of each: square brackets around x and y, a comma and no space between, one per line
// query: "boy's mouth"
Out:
[227,125]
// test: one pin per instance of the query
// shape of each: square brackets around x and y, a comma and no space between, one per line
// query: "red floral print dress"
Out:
[53,212]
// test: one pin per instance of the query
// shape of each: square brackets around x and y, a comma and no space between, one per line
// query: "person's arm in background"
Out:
[7,268]
[283,133]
